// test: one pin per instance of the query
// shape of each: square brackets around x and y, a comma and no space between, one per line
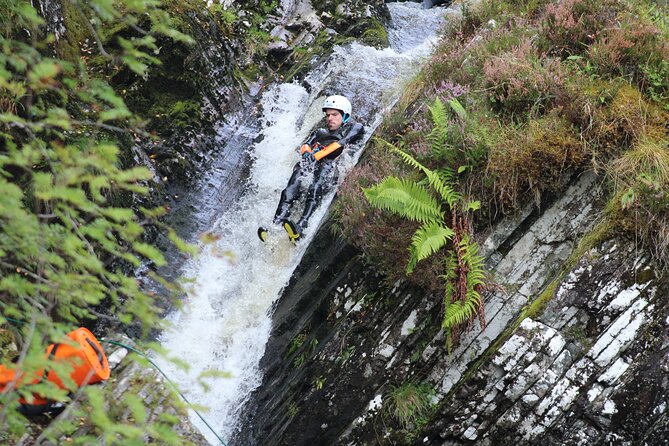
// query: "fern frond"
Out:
[405,198]
[427,240]
[438,137]
[459,309]
[447,175]
[444,189]
[476,272]
[459,312]
[457,107]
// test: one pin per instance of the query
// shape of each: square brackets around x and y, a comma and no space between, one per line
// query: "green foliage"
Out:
[410,402]
[406,198]
[305,351]
[66,244]
[463,299]
[640,202]
[415,201]
[427,240]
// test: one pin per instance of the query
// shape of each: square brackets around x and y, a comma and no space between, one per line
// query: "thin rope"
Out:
[145,356]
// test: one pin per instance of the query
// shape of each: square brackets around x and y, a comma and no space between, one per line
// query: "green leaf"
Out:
[457,107]
[43,73]
[427,240]
[113,114]
[150,253]
[627,199]
[29,13]
[474,205]
[406,198]
[105,8]
[119,215]
[58,117]
[136,407]
[180,244]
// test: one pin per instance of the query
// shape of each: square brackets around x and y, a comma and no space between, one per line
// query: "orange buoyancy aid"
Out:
[82,351]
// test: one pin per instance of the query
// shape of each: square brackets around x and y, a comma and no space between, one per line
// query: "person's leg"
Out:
[288,195]
[322,183]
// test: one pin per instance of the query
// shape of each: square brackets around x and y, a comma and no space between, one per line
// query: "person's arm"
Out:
[308,145]
[355,132]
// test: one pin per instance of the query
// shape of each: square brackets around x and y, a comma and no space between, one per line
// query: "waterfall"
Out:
[226,318]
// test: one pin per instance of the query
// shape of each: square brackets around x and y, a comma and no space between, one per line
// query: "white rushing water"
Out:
[226,319]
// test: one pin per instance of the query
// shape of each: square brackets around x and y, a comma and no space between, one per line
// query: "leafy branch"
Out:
[67,241]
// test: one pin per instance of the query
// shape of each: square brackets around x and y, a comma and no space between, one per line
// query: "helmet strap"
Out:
[345,118]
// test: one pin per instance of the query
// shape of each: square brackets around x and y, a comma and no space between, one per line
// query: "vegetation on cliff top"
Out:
[551,88]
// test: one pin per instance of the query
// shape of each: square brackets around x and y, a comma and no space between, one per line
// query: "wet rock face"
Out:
[52,12]
[590,369]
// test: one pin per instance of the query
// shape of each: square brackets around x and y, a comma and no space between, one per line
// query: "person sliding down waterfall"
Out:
[319,153]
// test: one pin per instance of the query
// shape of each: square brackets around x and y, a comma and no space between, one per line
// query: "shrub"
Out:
[570,26]
[522,82]
[66,245]
[534,157]
[409,402]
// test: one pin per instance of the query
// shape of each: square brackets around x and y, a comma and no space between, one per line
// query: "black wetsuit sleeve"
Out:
[350,133]
[354,134]
[310,140]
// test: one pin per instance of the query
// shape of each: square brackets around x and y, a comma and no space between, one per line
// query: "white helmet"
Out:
[340,103]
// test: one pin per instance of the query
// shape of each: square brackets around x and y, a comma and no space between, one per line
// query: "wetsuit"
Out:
[324,171]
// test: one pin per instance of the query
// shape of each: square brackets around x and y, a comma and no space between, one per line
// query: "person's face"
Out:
[333,119]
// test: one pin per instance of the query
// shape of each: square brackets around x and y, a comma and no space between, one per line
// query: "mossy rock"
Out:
[375,35]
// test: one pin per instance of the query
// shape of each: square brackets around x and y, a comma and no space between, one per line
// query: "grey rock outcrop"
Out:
[576,373]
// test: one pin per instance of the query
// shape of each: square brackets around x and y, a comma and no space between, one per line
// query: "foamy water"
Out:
[226,319]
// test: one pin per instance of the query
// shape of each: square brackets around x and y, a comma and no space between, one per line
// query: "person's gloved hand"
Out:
[309,156]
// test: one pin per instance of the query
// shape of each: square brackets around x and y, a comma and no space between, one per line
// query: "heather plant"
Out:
[521,82]
[447,90]
[570,26]
[637,51]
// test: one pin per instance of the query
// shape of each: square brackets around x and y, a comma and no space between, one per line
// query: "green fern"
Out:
[440,182]
[460,307]
[427,240]
[438,137]
[405,198]
[464,275]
